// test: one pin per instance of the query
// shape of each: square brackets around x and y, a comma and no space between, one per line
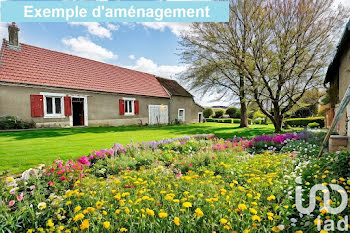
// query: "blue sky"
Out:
[148,47]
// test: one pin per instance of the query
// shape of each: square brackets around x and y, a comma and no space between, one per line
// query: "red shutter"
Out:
[67,105]
[121,107]
[136,103]
[36,105]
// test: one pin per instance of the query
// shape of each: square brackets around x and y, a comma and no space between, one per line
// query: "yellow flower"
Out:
[253,211]
[177,221]
[78,217]
[318,221]
[223,221]
[163,215]
[123,230]
[242,207]
[275,229]
[127,211]
[150,212]
[76,209]
[91,210]
[256,218]
[298,232]
[10,179]
[68,202]
[84,225]
[199,213]
[50,223]
[272,197]
[323,231]
[30,231]
[104,212]
[187,204]
[324,211]
[106,224]
[227,227]
[99,204]
[117,211]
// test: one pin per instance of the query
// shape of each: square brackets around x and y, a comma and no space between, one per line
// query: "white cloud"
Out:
[132,57]
[176,28]
[97,29]
[3,30]
[149,66]
[84,47]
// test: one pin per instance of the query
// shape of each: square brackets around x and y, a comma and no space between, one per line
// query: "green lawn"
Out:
[25,149]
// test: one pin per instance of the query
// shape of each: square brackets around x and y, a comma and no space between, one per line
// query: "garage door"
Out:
[158,114]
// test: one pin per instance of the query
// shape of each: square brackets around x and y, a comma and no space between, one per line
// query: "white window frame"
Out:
[53,95]
[178,114]
[132,113]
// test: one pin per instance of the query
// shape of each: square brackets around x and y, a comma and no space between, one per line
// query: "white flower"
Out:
[41,205]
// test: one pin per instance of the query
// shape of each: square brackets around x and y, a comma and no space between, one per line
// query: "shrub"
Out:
[219,113]
[303,122]
[13,122]
[209,120]
[314,125]
[208,112]
[233,112]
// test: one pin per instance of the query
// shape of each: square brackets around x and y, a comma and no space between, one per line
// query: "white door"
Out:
[158,114]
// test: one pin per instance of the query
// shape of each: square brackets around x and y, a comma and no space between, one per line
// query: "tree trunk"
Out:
[244,115]
[277,123]
[242,100]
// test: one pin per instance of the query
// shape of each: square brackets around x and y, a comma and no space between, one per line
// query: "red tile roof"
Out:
[38,66]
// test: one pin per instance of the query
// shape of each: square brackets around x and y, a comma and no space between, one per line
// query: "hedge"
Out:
[303,122]
[226,120]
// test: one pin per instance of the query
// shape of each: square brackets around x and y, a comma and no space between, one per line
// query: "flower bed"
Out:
[199,183]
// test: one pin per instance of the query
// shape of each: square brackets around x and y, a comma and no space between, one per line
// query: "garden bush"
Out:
[303,122]
[12,122]
[208,112]
[218,113]
[233,112]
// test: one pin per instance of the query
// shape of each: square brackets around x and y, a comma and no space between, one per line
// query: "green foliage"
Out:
[314,125]
[303,122]
[219,113]
[258,114]
[12,122]
[208,112]
[233,112]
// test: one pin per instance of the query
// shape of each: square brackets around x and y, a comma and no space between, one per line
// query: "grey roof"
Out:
[333,68]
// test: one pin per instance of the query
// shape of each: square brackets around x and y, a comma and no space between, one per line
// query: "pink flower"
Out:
[20,197]
[11,203]
[51,183]
[292,156]
[63,178]
[190,164]
[32,187]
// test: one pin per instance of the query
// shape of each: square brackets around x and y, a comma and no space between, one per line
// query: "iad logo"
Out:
[329,224]
[326,198]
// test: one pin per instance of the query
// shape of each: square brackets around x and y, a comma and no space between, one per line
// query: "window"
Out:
[181,114]
[129,106]
[53,105]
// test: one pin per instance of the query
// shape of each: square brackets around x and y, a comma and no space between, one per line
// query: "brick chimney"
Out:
[13,34]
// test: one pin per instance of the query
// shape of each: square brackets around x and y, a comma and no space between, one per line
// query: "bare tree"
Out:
[271,51]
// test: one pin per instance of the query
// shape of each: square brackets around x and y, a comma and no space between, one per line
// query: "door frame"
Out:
[200,114]
[86,123]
